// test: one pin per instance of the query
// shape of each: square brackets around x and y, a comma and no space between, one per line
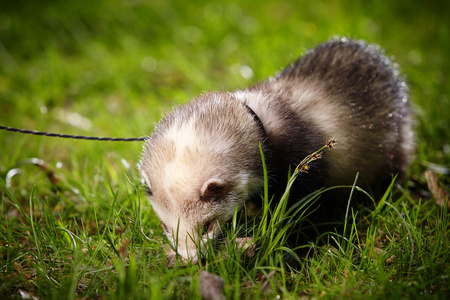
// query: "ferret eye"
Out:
[148,191]
[164,226]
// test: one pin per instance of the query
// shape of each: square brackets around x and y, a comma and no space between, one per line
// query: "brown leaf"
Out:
[247,244]
[211,286]
[265,287]
[123,248]
[437,190]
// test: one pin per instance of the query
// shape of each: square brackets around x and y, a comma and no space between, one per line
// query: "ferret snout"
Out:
[191,244]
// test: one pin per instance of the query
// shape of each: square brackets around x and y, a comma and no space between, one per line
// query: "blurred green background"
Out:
[114,67]
[111,68]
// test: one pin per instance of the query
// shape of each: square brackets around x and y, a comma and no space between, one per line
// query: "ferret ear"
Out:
[212,190]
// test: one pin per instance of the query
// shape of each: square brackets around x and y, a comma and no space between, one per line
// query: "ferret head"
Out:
[200,164]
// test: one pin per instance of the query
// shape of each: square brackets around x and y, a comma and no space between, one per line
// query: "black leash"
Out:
[69,136]
[113,139]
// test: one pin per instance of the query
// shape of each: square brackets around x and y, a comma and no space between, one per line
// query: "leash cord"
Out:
[70,136]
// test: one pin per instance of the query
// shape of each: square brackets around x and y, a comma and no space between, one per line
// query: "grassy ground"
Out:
[76,224]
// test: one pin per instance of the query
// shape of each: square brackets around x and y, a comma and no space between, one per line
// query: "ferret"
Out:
[203,159]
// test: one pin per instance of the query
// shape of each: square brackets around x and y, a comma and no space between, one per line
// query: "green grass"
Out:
[79,225]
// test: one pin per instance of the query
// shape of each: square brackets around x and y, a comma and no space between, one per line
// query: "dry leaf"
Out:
[265,287]
[211,286]
[437,190]
[250,246]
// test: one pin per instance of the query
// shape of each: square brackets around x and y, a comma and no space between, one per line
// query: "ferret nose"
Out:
[188,253]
